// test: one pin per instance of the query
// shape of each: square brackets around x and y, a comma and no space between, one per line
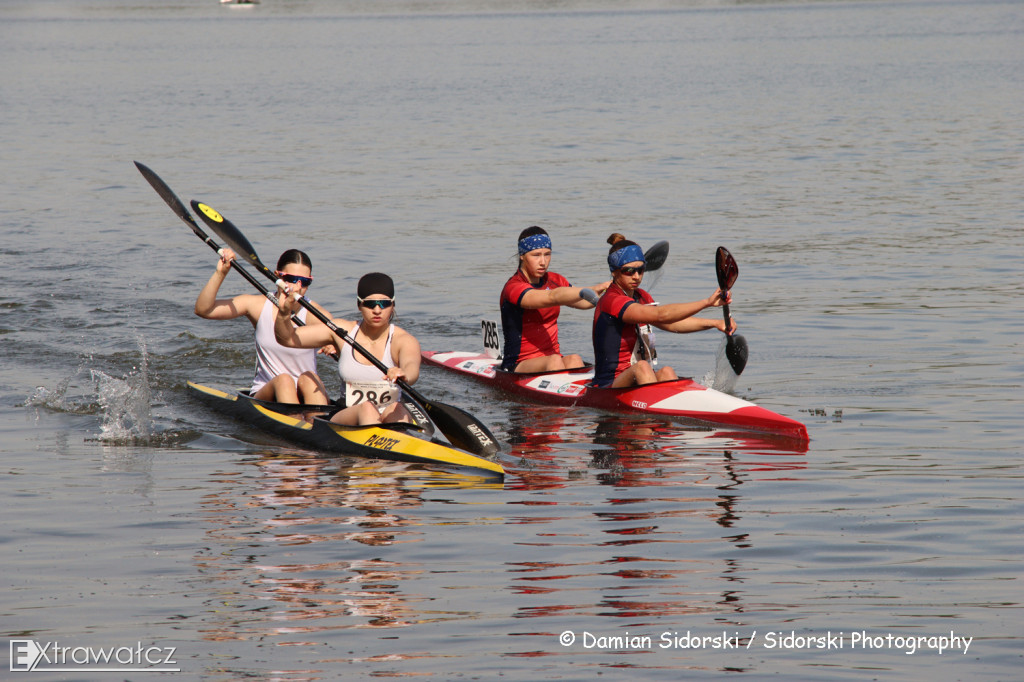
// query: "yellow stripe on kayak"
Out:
[293,422]
[212,391]
[387,440]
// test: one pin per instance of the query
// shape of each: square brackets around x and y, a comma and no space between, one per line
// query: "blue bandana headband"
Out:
[533,242]
[627,254]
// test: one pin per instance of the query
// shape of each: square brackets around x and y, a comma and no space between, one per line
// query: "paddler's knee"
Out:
[311,389]
[368,414]
[666,373]
[643,373]
[572,361]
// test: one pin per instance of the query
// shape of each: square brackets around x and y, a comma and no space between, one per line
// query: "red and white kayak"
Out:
[681,399]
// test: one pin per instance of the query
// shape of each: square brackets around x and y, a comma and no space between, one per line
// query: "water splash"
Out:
[123,404]
[724,378]
[57,397]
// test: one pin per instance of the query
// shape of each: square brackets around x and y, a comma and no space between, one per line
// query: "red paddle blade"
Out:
[726,269]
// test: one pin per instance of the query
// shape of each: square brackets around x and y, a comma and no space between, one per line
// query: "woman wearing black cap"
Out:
[370,397]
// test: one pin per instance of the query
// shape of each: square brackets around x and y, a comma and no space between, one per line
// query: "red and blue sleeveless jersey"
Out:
[614,339]
[528,333]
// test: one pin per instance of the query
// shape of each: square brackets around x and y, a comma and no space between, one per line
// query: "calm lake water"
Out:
[863,163]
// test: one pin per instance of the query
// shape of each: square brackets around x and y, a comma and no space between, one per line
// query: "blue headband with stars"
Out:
[627,254]
[533,242]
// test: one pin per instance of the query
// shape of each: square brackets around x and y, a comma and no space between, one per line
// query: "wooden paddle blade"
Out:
[726,269]
[231,235]
[463,429]
[736,352]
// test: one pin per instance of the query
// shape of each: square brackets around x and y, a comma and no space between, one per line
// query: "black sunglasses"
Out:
[295,279]
[371,303]
[629,270]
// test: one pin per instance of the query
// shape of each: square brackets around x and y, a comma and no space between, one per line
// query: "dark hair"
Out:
[618,242]
[530,231]
[294,256]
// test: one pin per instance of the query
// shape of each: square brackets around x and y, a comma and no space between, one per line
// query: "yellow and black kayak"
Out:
[306,426]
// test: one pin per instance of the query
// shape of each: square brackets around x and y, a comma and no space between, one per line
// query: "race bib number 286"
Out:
[379,393]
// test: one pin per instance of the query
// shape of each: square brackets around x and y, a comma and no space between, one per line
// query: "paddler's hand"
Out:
[602,287]
[394,374]
[286,302]
[718,299]
[224,264]
[720,324]
[330,349]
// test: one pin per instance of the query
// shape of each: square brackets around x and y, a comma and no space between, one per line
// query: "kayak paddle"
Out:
[179,209]
[735,346]
[654,257]
[460,427]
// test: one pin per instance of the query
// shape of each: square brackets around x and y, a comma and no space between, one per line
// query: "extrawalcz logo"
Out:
[27,655]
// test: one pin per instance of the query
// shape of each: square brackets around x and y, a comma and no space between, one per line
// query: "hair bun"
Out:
[615,238]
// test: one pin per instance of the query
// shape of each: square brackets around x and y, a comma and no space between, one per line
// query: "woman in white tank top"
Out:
[285,375]
[371,397]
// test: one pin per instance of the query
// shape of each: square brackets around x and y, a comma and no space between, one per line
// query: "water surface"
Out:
[862,161]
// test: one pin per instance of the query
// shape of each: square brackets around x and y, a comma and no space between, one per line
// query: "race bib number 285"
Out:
[492,344]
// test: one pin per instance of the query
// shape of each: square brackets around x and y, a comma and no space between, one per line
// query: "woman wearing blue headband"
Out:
[530,303]
[619,356]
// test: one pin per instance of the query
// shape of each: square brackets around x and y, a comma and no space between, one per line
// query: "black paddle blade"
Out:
[735,346]
[726,269]
[463,429]
[654,258]
[656,255]
[165,193]
[736,353]
[234,238]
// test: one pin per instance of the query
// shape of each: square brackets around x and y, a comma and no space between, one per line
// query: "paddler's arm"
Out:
[209,307]
[290,336]
[665,316]
[696,324]
[568,296]
[405,352]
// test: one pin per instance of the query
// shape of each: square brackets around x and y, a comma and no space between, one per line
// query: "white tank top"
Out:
[350,369]
[366,377]
[272,358]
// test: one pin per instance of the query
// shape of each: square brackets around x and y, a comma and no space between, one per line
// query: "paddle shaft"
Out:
[179,209]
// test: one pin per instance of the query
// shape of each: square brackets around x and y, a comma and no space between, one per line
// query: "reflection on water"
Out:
[328,508]
[648,560]
[301,550]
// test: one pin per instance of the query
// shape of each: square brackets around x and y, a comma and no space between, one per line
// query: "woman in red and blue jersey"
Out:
[530,303]
[624,307]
